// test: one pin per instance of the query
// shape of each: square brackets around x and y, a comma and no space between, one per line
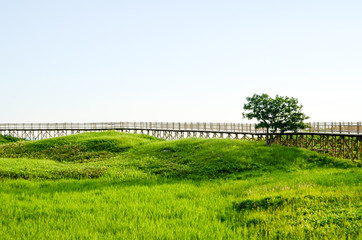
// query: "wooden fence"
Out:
[319,127]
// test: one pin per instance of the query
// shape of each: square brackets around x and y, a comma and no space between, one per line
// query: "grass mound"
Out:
[8,139]
[91,155]
[76,148]
[214,158]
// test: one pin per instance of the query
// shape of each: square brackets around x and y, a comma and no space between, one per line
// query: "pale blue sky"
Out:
[86,61]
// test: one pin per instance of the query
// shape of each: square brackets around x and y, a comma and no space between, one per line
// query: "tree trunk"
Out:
[269,137]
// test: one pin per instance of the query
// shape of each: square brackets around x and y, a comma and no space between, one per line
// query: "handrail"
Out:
[319,127]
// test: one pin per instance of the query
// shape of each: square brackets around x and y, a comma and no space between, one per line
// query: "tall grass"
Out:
[314,206]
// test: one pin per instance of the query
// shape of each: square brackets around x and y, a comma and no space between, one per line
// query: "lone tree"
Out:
[275,114]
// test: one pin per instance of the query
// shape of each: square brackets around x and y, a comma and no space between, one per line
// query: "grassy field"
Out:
[113,185]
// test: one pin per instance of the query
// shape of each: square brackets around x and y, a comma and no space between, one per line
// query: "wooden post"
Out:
[332,127]
[349,127]
[317,126]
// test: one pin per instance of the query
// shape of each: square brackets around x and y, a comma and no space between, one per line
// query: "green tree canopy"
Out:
[279,114]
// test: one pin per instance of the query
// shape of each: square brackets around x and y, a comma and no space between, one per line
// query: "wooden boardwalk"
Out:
[343,140]
[320,127]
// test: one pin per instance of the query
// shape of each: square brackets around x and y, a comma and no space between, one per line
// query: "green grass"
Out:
[138,187]
[8,139]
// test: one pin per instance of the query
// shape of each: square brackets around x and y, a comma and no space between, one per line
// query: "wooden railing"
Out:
[319,127]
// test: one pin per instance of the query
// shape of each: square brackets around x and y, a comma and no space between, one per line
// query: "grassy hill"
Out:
[8,139]
[76,148]
[111,185]
[118,154]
